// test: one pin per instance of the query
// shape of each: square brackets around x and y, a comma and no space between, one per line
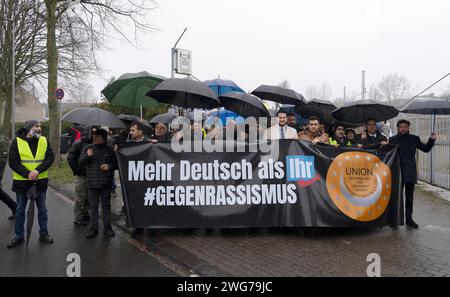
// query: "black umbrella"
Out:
[185,93]
[32,195]
[244,104]
[319,108]
[432,106]
[357,112]
[279,95]
[93,116]
[165,118]
[132,118]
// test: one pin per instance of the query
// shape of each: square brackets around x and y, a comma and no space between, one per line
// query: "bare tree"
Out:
[29,51]
[92,21]
[322,91]
[393,87]
[374,94]
[82,92]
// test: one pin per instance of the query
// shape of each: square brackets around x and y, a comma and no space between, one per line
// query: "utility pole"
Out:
[344,95]
[363,85]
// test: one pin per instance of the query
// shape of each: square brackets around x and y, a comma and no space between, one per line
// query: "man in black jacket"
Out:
[408,144]
[30,157]
[81,207]
[371,135]
[100,162]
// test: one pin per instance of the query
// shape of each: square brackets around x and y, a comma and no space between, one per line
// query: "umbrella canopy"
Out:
[279,95]
[224,115]
[223,86]
[93,116]
[185,93]
[132,118]
[165,118]
[357,112]
[432,106]
[428,106]
[244,104]
[32,195]
[319,108]
[130,88]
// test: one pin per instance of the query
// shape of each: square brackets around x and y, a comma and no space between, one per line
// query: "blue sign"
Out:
[300,168]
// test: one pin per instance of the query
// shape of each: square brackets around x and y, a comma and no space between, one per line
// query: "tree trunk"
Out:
[8,57]
[52,62]
[6,127]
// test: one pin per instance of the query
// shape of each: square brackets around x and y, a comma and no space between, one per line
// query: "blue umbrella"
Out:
[222,86]
[225,115]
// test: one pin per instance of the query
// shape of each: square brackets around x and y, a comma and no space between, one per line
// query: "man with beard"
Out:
[281,130]
[312,132]
[292,120]
[30,157]
[338,138]
[408,145]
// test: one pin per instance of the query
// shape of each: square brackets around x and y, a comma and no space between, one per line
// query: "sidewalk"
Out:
[310,251]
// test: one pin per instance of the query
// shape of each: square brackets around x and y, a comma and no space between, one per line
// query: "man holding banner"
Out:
[408,145]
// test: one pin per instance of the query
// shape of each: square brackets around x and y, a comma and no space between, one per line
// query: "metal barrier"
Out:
[432,167]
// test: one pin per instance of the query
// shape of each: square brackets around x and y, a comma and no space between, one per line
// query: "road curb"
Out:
[160,244]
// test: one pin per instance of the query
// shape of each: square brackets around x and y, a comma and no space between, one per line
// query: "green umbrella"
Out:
[130,88]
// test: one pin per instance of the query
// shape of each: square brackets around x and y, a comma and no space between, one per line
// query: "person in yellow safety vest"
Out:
[338,138]
[30,157]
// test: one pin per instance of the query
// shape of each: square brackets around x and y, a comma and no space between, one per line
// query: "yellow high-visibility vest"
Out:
[27,159]
[334,142]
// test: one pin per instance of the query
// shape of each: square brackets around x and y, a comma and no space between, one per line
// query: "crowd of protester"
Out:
[93,161]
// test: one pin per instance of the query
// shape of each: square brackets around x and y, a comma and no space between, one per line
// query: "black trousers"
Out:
[95,196]
[409,198]
[8,200]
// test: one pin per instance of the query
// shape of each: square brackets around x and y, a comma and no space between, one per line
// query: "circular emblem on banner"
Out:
[359,184]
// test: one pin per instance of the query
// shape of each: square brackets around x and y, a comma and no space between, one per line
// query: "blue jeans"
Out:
[20,214]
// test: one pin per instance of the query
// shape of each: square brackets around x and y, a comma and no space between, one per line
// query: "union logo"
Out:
[359,184]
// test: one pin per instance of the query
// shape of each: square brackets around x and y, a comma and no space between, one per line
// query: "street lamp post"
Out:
[172,70]
[13,79]
[173,51]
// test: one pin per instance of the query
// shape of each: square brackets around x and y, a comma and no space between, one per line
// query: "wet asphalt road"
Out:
[100,256]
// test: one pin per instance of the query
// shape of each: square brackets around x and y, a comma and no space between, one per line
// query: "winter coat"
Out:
[407,145]
[22,186]
[103,154]
[372,140]
[74,154]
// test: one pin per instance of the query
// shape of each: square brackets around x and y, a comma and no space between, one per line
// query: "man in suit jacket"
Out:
[281,130]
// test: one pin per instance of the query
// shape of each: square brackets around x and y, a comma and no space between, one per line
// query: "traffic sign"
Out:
[59,93]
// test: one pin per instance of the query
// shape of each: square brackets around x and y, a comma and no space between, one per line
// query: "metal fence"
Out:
[433,167]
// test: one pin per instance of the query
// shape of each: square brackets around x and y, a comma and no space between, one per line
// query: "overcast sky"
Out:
[255,42]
